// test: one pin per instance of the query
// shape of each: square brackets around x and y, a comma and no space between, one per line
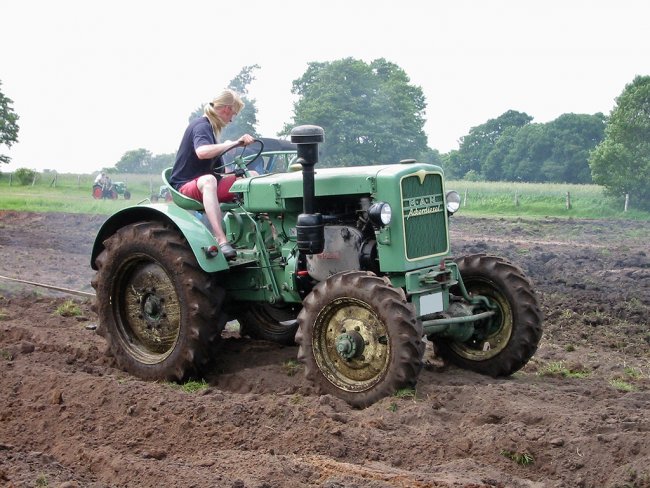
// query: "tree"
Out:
[573,137]
[370,113]
[135,161]
[621,162]
[246,120]
[481,140]
[159,162]
[557,151]
[8,125]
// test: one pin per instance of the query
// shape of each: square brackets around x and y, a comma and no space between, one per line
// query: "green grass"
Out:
[291,367]
[558,368]
[622,385]
[191,386]
[72,193]
[539,200]
[522,458]
[68,309]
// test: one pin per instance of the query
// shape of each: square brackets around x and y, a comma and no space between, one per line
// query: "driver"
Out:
[200,150]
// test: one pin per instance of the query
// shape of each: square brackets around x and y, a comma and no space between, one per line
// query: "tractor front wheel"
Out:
[159,312]
[359,338]
[98,193]
[504,342]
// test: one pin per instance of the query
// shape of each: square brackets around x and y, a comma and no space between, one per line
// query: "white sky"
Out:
[91,80]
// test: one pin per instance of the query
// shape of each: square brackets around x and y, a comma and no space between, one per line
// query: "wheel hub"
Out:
[153,308]
[349,345]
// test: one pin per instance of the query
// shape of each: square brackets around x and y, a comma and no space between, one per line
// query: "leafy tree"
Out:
[621,162]
[246,120]
[370,112]
[556,151]
[161,161]
[481,140]
[573,137]
[8,124]
[25,176]
[135,161]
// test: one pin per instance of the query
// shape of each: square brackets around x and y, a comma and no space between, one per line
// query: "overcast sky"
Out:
[91,80]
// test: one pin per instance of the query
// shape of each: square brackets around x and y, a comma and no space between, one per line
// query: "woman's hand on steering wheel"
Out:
[243,141]
[246,140]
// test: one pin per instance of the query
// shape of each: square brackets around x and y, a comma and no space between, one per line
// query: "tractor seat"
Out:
[186,202]
[179,199]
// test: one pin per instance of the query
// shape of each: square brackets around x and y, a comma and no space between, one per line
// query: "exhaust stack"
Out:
[309,227]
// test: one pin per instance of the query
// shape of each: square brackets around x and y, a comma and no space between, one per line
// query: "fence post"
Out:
[11,177]
[465,198]
[568,201]
[516,199]
[627,202]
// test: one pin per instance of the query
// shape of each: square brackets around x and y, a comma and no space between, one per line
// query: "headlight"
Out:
[453,201]
[380,213]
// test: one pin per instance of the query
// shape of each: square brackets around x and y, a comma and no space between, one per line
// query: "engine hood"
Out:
[281,191]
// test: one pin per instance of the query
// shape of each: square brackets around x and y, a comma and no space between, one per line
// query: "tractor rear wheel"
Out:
[159,312]
[359,338]
[269,323]
[503,343]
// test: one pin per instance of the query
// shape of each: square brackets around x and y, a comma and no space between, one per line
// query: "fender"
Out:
[185,221]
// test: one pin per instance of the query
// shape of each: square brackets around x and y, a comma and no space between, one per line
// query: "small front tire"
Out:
[505,342]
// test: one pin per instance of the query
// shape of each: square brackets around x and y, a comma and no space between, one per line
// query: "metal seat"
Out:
[179,199]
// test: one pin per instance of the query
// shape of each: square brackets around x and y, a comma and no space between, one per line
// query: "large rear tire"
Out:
[359,338]
[269,323]
[503,343]
[159,312]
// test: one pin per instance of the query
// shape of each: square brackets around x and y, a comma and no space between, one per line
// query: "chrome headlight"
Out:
[453,201]
[380,213]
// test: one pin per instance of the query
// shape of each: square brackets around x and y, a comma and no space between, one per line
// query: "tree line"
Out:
[373,114]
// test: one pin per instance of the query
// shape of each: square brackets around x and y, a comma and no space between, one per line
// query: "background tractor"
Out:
[352,263]
[111,190]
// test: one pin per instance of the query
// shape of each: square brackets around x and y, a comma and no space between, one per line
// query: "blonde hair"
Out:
[227,97]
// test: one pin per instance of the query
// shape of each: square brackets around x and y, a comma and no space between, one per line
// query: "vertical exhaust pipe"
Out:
[309,226]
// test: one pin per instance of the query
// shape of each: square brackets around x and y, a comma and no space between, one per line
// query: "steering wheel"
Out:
[241,167]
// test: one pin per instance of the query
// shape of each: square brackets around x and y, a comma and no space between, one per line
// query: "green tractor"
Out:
[111,190]
[352,263]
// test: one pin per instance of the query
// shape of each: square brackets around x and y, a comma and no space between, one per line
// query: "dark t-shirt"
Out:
[188,165]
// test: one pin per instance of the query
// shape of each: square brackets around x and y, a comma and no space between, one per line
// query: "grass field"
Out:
[72,193]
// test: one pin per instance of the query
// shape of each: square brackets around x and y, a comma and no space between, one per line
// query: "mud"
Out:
[576,416]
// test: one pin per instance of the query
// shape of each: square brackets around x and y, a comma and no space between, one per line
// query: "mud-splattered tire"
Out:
[159,312]
[269,323]
[359,338]
[503,343]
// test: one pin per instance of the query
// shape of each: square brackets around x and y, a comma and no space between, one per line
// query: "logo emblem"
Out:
[424,205]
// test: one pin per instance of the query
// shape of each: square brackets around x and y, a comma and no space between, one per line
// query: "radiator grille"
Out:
[425,223]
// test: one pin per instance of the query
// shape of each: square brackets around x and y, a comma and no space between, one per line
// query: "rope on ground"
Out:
[51,287]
